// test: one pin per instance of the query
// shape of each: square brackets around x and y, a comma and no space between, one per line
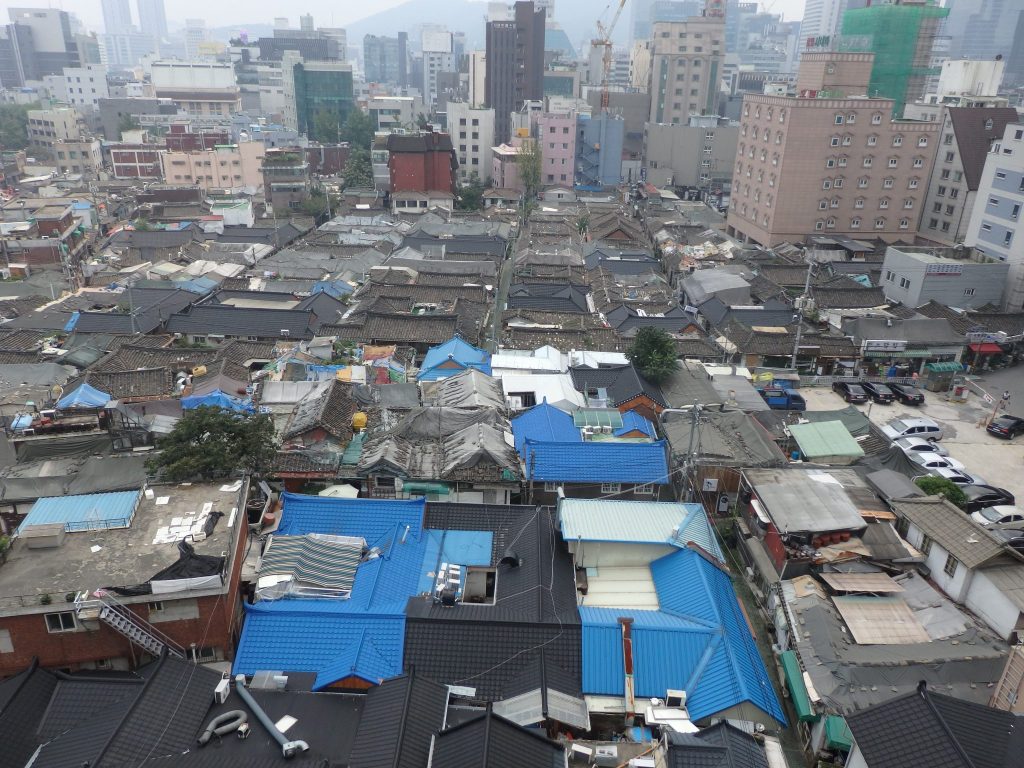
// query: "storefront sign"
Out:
[884,345]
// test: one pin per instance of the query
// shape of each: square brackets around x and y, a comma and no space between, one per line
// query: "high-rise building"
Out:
[686,68]
[829,160]
[902,37]
[152,18]
[472,132]
[306,22]
[438,56]
[53,42]
[17,56]
[117,16]
[515,64]
[983,29]
[995,228]
[598,151]
[824,18]
[320,95]
[195,35]
[386,59]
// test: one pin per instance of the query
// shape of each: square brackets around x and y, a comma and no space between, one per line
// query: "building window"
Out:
[872,140]
[830,163]
[912,184]
[854,223]
[551,487]
[830,223]
[945,226]
[834,142]
[951,562]
[876,119]
[933,223]
[908,203]
[862,183]
[851,118]
[897,141]
[155,607]
[647,489]
[822,205]
[826,184]
[949,157]
[941,191]
[858,203]
[1008,238]
[968,292]
[919,162]
[611,487]
[819,225]
[888,183]
[867,161]
[883,203]
[880,224]
[894,162]
[904,223]
[839,119]
[922,141]
[61,622]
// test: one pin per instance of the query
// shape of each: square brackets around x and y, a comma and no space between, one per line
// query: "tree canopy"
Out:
[14,125]
[529,162]
[471,195]
[653,352]
[940,486]
[358,130]
[325,127]
[358,170]
[210,442]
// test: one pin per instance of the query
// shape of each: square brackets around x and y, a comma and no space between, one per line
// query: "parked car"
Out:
[1006,427]
[920,427]
[851,393]
[1011,537]
[1000,514]
[911,445]
[934,461]
[879,392]
[784,399]
[958,476]
[985,496]
[907,394]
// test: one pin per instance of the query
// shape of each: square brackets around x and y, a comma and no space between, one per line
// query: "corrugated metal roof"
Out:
[546,423]
[861,582]
[633,421]
[825,438]
[373,519]
[597,462]
[880,620]
[951,529]
[458,351]
[88,512]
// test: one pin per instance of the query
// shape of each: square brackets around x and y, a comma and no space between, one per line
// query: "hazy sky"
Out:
[325,12]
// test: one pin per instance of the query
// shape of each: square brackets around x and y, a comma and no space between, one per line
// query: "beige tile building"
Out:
[829,160]
[231,166]
[685,68]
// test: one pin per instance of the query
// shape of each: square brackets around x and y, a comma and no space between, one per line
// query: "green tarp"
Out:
[943,367]
[797,689]
[837,733]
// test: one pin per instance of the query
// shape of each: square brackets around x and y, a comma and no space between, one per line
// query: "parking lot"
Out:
[1000,462]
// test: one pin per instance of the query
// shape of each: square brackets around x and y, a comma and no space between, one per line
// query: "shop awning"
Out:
[945,367]
[795,682]
[985,348]
[837,733]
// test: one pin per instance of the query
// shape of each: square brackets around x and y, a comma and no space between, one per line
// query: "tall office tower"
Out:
[195,35]
[152,18]
[686,68]
[902,38]
[438,57]
[306,22]
[983,29]
[515,65]
[117,17]
[53,42]
[840,165]
[386,59]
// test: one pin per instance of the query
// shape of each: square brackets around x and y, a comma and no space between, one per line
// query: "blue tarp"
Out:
[84,397]
[216,399]
[72,321]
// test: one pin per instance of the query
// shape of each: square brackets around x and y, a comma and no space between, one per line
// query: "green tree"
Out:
[210,442]
[358,130]
[940,486]
[471,196]
[653,352]
[529,162]
[358,170]
[14,126]
[325,127]
[128,123]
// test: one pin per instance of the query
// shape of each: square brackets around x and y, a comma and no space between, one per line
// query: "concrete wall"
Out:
[556,135]
[905,278]
[472,132]
[993,607]
[239,165]
[955,586]
[675,154]
[186,75]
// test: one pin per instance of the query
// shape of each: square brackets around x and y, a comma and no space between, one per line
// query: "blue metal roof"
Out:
[698,642]
[88,512]
[597,462]
[544,423]
[373,519]
[298,635]
[698,529]
[633,421]
[458,547]
[458,354]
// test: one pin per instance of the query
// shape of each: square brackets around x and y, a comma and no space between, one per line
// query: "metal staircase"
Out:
[93,606]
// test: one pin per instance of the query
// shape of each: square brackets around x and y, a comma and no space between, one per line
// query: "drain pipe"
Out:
[288,748]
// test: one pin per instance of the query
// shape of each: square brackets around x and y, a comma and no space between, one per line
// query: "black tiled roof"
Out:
[925,728]
[547,297]
[243,321]
[719,746]
[491,741]
[400,718]
[391,328]
[465,245]
[622,382]
[120,385]
[28,696]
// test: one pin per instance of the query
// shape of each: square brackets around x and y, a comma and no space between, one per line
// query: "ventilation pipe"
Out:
[288,748]
[222,724]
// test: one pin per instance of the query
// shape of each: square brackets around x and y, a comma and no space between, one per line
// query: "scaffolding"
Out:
[902,38]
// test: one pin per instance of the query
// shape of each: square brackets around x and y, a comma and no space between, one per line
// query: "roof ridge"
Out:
[922,691]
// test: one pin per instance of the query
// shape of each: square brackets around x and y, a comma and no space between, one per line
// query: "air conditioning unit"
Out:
[220,693]
[286,332]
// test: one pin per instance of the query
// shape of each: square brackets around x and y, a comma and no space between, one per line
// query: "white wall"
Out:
[992,606]
[953,587]
[612,553]
[191,74]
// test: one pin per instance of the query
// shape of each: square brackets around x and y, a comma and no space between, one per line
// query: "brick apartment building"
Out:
[829,159]
[187,602]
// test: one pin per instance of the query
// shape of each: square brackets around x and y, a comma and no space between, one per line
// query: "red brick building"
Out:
[135,161]
[54,583]
[423,162]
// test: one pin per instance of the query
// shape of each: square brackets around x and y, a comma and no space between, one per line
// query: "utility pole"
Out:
[802,303]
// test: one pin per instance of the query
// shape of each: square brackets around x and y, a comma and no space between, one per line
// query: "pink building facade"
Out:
[556,134]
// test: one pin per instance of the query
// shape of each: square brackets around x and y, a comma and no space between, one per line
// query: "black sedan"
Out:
[1012,537]
[983,496]
[879,392]
[851,393]
[1006,427]
[907,394]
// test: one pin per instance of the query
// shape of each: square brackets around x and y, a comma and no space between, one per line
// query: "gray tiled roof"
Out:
[951,529]
[243,321]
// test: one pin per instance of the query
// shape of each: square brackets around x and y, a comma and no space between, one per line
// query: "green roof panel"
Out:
[825,438]
[795,682]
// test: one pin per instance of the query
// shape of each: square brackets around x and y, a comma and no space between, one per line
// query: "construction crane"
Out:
[605,38]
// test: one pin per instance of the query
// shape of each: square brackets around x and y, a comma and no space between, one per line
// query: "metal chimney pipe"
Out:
[288,748]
